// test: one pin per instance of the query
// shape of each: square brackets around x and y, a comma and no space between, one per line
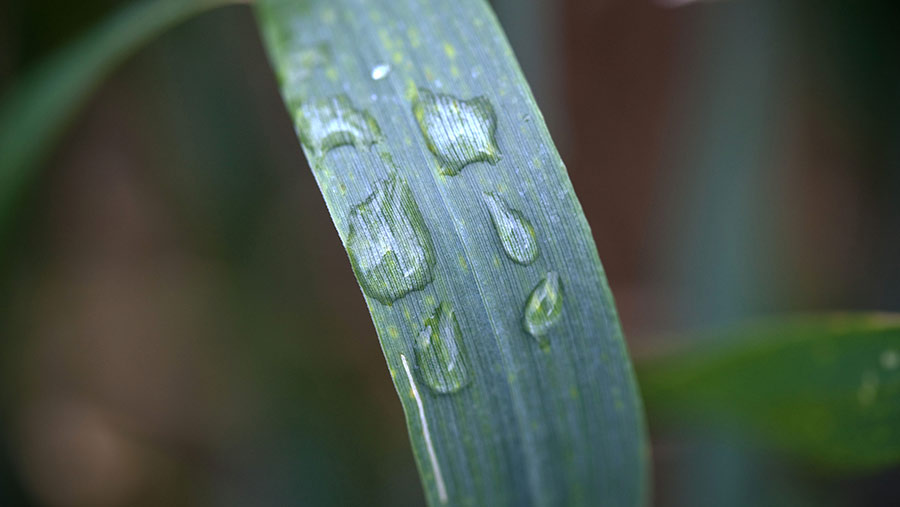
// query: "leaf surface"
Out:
[476,261]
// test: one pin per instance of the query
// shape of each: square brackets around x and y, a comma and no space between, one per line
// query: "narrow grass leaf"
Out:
[470,246]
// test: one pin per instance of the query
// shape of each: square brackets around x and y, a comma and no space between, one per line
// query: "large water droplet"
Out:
[328,123]
[458,132]
[544,307]
[390,246]
[439,352]
[514,230]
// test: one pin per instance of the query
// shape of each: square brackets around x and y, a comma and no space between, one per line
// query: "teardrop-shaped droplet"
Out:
[458,132]
[514,230]
[390,246]
[439,352]
[544,307]
[328,123]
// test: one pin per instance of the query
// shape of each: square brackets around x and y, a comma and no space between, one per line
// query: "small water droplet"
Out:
[544,307]
[439,352]
[458,132]
[328,123]
[381,71]
[890,359]
[390,246]
[514,230]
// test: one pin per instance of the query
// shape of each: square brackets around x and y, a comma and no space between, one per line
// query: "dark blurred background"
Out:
[180,325]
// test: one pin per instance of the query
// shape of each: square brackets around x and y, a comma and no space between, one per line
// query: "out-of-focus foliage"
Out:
[34,112]
[826,388]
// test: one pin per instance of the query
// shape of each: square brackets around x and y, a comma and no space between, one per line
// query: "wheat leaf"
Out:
[477,263]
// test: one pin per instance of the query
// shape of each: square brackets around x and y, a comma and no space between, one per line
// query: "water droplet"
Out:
[544,307]
[332,122]
[390,246]
[890,359]
[380,71]
[458,132]
[439,352]
[514,230]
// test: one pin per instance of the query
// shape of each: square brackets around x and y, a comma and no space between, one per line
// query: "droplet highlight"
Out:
[544,307]
[458,132]
[514,231]
[380,72]
[390,247]
[439,352]
[328,123]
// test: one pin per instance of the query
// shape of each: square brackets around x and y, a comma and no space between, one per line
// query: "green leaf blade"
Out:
[533,425]
[827,389]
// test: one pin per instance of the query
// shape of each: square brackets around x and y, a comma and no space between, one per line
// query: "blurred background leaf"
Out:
[827,388]
[34,112]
